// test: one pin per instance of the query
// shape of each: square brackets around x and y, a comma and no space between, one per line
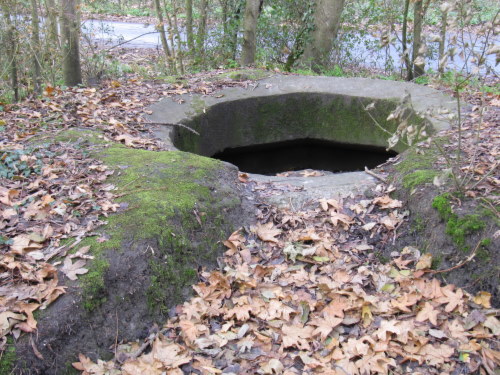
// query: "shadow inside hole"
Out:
[272,158]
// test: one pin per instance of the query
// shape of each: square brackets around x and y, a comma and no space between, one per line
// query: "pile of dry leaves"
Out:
[302,293]
[53,194]
[59,199]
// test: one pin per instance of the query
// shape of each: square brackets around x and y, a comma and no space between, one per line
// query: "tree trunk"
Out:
[249,30]
[442,42]
[225,18]
[52,22]
[180,57]
[11,47]
[417,58]
[35,41]
[163,37]
[189,25]
[327,18]
[72,70]
[233,26]
[202,26]
[404,39]
[170,31]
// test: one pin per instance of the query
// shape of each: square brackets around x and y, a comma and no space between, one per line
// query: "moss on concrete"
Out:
[417,167]
[262,120]
[161,190]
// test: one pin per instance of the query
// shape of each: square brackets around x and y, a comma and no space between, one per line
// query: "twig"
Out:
[135,354]
[373,174]
[467,260]
[490,206]
[170,124]
[127,41]
[449,163]
[486,175]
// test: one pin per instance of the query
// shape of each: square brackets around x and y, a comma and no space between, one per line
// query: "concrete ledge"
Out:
[283,108]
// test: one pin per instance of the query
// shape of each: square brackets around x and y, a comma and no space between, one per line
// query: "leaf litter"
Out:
[326,306]
[53,194]
[302,293]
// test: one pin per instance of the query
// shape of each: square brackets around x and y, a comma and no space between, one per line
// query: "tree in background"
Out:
[51,11]
[70,27]
[11,47]
[163,37]
[189,24]
[327,17]
[202,32]
[249,32]
[36,48]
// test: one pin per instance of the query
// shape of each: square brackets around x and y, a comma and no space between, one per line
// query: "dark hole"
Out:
[272,158]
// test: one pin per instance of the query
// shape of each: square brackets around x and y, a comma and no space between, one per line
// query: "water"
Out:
[362,49]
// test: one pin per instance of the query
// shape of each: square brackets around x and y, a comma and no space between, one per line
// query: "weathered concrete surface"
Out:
[290,107]
[297,192]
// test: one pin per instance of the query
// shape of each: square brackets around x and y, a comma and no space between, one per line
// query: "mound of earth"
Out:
[174,208]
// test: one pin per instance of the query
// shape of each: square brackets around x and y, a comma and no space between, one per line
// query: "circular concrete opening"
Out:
[296,131]
[296,155]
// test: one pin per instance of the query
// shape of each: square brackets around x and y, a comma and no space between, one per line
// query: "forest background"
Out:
[47,43]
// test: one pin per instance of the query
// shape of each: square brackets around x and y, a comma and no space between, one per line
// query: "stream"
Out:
[362,49]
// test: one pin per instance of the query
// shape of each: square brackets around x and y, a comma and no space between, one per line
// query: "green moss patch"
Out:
[457,227]
[168,213]
[414,179]
[93,284]
[8,358]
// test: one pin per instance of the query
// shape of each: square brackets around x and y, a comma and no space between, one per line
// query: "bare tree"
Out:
[202,29]
[417,58]
[52,22]
[249,32]
[404,40]
[11,48]
[327,17]
[163,37]
[442,37]
[189,24]
[72,70]
[35,47]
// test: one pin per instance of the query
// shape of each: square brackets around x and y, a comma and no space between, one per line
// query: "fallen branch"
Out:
[130,40]
[373,174]
[170,124]
[465,261]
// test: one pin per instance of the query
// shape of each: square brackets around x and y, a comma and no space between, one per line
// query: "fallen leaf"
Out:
[483,299]
[427,313]
[267,233]
[71,270]
[425,262]
[387,202]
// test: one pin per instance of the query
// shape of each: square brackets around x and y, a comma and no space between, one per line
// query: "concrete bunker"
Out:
[295,122]
[297,131]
